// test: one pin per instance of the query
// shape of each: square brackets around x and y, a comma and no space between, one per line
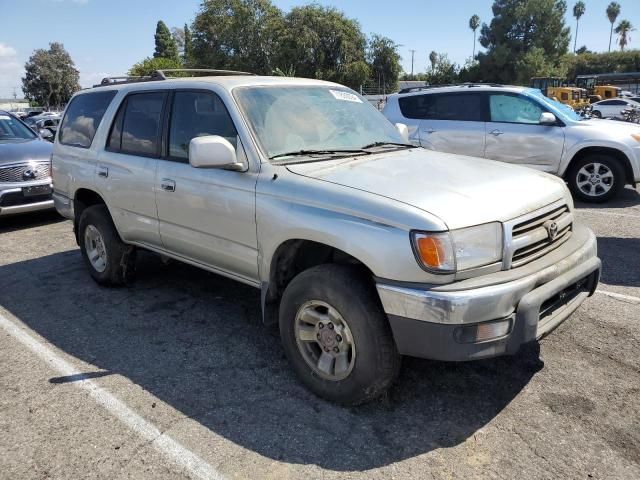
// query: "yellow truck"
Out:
[557,89]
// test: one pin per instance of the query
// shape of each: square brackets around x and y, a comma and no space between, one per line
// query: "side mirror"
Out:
[213,151]
[45,133]
[403,130]
[547,118]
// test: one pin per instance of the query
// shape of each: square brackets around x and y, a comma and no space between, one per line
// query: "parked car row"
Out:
[521,126]
[365,247]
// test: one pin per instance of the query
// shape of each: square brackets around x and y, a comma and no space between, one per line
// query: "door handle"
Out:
[103,171]
[429,130]
[168,185]
[496,132]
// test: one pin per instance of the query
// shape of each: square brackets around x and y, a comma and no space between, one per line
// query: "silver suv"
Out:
[364,247]
[521,126]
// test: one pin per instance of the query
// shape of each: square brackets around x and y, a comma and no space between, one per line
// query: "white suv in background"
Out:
[521,126]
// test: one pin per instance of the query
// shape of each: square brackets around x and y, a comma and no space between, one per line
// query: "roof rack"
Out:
[430,87]
[166,74]
[213,72]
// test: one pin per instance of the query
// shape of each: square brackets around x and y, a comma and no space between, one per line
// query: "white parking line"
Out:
[173,451]
[605,212]
[620,296]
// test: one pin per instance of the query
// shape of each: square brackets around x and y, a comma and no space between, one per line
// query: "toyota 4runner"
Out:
[364,247]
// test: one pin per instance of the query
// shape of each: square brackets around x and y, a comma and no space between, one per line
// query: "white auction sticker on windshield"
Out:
[345,96]
[5,117]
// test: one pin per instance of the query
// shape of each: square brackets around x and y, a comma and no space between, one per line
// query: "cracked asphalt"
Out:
[186,353]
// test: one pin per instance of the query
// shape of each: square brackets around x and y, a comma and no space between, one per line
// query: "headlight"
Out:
[462,249]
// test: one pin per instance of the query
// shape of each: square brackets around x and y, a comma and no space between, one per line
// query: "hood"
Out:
[615,126]
[36,149]
[462,191]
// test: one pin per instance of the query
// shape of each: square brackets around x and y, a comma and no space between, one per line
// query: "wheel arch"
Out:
[292,257]
[614,152]
[84,198]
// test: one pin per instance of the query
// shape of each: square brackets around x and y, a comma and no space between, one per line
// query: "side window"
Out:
[463,106]
[195,114]
[83,117]
[136,128]
[514,109]
[419,107]
[607,103]
[564,96]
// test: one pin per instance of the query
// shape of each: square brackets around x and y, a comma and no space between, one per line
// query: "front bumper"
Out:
[533,300]
[13,200]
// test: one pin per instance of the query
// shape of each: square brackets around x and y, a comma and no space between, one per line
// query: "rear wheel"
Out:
[596,178]
[109,260]
[336,335]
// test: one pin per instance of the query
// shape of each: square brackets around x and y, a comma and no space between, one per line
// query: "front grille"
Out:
[25,172]
[531,239]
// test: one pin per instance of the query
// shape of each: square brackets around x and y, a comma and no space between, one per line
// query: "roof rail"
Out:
[468,85]
[163,73]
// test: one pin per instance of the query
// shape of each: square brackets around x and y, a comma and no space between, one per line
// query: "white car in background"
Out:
[612,107]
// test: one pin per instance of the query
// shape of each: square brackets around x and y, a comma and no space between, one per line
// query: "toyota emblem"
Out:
[552,229]
[29,174]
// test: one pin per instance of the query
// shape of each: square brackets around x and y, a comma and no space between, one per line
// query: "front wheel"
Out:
[336,335]
[596,114]
[596,178]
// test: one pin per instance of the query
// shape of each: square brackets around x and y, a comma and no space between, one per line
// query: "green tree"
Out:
[622,30]
[149,65]
[384,60]
[237,35]
[474,23]
[443,71]
[51,77]
[433,59]
[613,10]
[578,11]
[188,46]
[321,42]
[518,27]
[165,43]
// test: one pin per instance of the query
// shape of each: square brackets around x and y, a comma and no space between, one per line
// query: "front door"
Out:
[514,133]
[206,215]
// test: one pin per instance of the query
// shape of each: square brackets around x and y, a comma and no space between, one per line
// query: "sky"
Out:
[106,37]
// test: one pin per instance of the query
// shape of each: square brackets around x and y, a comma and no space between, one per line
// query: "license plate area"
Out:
[554,304]
[36,190]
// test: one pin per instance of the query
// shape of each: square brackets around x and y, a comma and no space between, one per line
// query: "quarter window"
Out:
[514,109]
[82,118]
[196,114]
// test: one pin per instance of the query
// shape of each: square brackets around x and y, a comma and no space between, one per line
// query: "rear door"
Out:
[127,166]
[454,123]
[206,215]
[515,135]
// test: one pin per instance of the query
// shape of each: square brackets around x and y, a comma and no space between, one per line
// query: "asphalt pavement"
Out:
[177,377]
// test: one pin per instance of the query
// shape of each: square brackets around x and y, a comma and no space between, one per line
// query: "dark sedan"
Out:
[25,168]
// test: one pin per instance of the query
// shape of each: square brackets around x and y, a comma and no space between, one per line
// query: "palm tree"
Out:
[623,29]
[433,58]
[474,23]
[578,11]
[613,10]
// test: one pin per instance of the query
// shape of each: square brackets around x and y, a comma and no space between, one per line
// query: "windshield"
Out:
[565,112]
[12,130]
[290,119]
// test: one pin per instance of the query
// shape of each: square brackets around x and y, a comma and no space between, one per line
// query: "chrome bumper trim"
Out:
[483,303]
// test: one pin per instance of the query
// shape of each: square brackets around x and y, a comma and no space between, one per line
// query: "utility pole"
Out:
[413,52]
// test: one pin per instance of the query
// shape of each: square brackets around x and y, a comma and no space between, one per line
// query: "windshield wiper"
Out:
[304,153]
[384,144]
